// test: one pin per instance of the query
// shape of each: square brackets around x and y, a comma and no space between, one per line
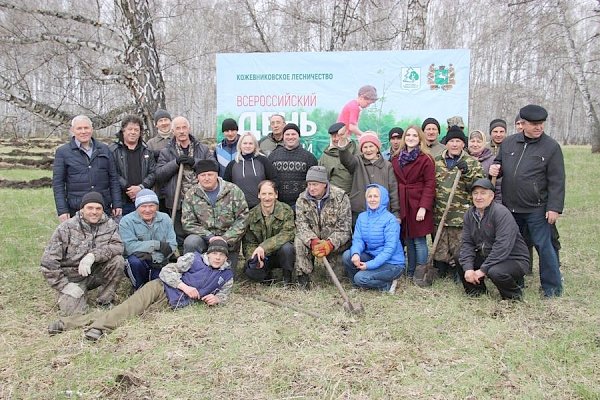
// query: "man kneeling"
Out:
[492,246]
[84,253]
[195,277]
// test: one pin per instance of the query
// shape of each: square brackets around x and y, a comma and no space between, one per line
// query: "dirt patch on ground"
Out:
[44,163]
[32,184]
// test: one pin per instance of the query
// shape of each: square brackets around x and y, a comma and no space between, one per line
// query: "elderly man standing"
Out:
[491,246]
[533,189]
[291,162]
[214,209]
[452,160]
[84,253]
[275,138]
[182,152]
[323,224]
[149,239]
[135,162]
[84,165]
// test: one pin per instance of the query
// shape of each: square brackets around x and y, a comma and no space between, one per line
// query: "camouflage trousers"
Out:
[305,261]
[448,247]
[105,276]
[151,295]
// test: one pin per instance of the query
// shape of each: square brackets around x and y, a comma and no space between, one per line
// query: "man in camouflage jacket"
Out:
[323,224]
[213,209]
[85,252]
[268,240]
[453,159]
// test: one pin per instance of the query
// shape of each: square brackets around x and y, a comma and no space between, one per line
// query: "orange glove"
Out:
[323,248]
[314,243]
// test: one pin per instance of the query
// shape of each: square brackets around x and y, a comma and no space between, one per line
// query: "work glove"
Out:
[165,249]
[72,289]
[143,256]
[462,166]
[313,246]
[85,265]
[323,248]
[186,160]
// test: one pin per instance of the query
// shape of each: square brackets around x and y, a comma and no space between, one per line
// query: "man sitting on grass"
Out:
[84,253]
[194,277]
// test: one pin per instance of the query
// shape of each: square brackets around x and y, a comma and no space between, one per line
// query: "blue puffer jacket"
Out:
[377,233]
[74,175]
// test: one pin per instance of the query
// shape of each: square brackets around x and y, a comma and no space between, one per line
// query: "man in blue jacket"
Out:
[533,189]
[149,239]
[81,166]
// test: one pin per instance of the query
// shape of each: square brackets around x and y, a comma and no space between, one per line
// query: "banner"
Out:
[310,89]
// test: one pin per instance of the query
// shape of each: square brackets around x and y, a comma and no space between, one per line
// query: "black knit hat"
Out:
[92,197]
[219,245]
[160,113]
[430,121]
[229,124]
[496,123]
[205,166]
[396,131]
[292,126]
[454,133]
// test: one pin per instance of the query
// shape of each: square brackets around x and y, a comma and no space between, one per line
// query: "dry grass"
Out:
[426,344]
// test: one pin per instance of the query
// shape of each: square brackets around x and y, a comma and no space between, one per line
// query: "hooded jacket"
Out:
[248,173]
[377,233]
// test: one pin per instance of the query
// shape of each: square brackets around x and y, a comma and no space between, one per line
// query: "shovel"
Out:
[426,273]
[177,192]
[356,308]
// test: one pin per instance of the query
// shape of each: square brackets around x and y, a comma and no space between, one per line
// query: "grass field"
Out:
[421,343]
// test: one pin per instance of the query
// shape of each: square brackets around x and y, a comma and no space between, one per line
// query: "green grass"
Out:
[24,174]
[425,344]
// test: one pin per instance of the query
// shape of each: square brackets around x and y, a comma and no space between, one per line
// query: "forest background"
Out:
[107,58]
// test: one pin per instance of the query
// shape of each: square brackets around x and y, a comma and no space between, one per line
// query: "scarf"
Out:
[406,157]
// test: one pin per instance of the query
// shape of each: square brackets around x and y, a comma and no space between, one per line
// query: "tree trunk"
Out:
[141,57]
[580,78]
[416,25]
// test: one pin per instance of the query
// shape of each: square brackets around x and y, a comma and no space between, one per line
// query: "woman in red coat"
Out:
[415,173]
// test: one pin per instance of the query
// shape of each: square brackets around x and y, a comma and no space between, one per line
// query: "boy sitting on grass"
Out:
[195,277]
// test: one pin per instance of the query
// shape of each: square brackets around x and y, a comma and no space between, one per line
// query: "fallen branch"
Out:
[286,305]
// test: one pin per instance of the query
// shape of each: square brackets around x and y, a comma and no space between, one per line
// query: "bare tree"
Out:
[580,77]
[96,53]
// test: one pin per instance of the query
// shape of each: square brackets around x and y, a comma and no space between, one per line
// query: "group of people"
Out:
[358,206]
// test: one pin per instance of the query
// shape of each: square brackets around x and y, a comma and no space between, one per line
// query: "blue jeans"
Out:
[416,252]
[380,278]
[540,233]
[140,272]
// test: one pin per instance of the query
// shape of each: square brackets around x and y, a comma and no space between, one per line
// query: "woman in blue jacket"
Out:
[376,257]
